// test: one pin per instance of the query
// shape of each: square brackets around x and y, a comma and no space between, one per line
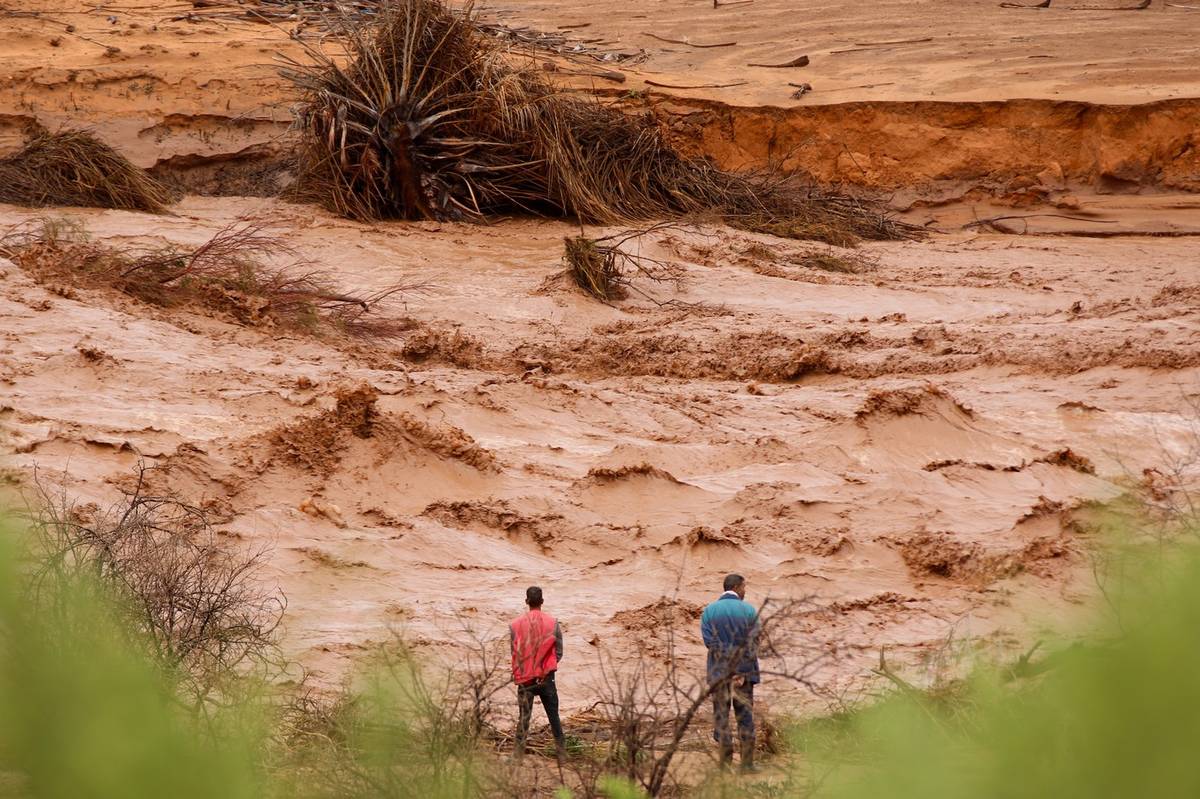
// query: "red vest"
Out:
[533,642]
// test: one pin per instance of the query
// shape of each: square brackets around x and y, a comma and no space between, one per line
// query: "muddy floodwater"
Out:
[916,442]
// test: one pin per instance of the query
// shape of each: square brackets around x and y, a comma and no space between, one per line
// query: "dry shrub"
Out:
[197,606]
[802,222]
[73,167]
[230,273]
[429,118]
[605,270]
[593,269]
[652,710]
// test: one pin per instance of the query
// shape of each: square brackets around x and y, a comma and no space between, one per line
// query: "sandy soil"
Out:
[897,50]
[928,100]
[915,447]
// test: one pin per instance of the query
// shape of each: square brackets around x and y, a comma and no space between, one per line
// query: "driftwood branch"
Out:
[687,43]
[798,61]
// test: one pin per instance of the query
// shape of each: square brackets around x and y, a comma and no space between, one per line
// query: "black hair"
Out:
[732,581]
[533,596]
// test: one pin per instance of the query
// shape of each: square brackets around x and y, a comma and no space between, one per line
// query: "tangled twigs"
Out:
[649,712]
[197,608]
[603,268]
[594,269]
[236,272]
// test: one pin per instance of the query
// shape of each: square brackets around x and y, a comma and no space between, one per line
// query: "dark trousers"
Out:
[738,692]
[546,691]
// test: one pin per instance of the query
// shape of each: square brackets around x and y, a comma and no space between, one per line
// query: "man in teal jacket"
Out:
[730,630]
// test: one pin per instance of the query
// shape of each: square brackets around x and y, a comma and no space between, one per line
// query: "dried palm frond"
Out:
[428,118]
[73,167]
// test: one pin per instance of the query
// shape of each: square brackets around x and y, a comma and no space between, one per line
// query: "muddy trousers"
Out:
[546,691]
[738,692]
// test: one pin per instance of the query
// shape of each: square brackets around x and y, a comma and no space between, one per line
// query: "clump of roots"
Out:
[428,118]
[73,167]
[231,273]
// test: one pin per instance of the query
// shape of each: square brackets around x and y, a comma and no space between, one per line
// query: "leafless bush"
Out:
[651,711]
[232,273]
[196,606]
[483,671]
[605,269]
[648,710]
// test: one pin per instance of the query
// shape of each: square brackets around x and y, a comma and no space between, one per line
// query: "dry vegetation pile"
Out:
[230,273]
[603,268]
[593,268]
[429,118]
[73,167]
[850,263]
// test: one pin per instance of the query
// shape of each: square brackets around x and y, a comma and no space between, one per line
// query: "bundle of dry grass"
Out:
[230,274]
[73,167]
[430,118]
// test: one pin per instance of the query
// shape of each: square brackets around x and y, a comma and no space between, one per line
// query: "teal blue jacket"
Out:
[730,630]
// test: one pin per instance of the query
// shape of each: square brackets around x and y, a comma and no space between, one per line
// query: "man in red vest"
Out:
[537,647]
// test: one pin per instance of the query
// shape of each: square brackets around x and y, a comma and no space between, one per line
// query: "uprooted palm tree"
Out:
[428,118]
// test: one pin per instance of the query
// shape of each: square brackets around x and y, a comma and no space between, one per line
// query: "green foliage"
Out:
[620,788]
[88,710]
[574,746]
[83,714]
[395,739]
[1115,718]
